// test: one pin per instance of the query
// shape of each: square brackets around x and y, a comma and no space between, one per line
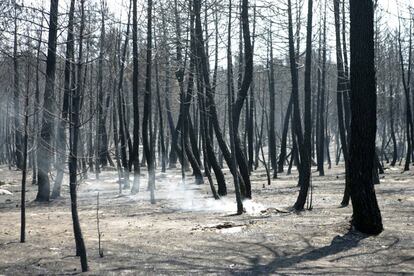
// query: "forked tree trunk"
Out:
[230,90]
[307,146]
[340,95]
[123,136]
[242,95]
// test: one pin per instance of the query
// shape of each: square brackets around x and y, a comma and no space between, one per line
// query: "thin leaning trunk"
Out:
[76,98]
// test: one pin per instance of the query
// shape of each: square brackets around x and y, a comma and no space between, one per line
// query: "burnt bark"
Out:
[366,214]
[45,150]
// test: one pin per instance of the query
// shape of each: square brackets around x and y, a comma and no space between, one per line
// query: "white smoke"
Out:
[173,193]
[198,198]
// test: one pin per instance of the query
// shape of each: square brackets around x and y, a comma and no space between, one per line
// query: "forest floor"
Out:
[188,232]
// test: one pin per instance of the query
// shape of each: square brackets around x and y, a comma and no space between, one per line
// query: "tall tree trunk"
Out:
[45,150]
[296,121]
[307,146]
[272,126]
[135,100]
[77,94]
[209,156]
[68,85]
[282,155]
[406,80]
[24,168]
[321,114]
[211,102]
[340,94]
[147,133]
[179,74]
[161,120]
[37,105]
[16,97]
[242,95]
[123,139]
[366,214]
[102,138]
[232,129]
[392,130]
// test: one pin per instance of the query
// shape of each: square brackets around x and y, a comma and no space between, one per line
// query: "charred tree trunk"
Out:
[272,126]
[68,81]
[24,168]
[45,151]
[242,95]
[161,122]
[147,133]
[77,94]
[392,130]
[102,138]
[231,116]
[340,93]
[210,98]
[123,139]
[321,114]
[135,148]
[282,155]
[179,74]
[16,97]
[307,141]
[37,106]
[366,214]
[406,80]
[296,121]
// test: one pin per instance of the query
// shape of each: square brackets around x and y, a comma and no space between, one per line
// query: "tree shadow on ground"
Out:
[338,244]
[184,261]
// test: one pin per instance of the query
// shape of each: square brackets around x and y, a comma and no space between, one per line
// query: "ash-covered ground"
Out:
[188,232]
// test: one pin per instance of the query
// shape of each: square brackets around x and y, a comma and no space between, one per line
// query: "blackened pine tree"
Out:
[49,107]
[272,126]
[321,110]
[16,94]
[135,148]
[61,136]
[230,91]
[75,124]
[307,139]
[102,138]
[341,98]
[242,95]
[147,133]
[366,214]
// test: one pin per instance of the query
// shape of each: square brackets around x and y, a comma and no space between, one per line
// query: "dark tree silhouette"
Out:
[135,148]
[147,132]
[74,120]
[45,150]
[366,214]
[305,172]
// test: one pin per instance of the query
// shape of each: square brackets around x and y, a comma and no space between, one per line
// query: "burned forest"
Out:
[181,137]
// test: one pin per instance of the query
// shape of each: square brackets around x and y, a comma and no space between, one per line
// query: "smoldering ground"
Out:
[181,236]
